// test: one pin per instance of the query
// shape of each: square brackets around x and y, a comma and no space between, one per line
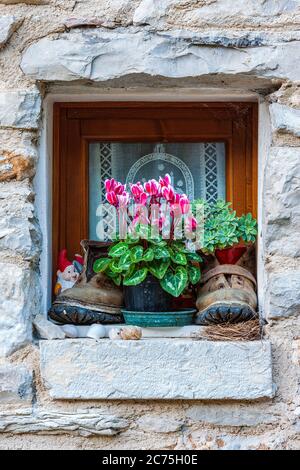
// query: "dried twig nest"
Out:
[246,331]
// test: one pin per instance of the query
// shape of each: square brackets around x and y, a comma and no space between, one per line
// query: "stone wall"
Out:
[48,45]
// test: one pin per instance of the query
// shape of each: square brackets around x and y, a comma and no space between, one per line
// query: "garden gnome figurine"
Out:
[68,272]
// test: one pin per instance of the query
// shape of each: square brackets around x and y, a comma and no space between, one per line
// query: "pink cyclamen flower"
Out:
[176,199]
[184,204]
[168,193]
[123,199]
[165,181]
[141,215]
[162,221]
[119,188]
[152,187]
[138,193]
[112,198]
[143,199]
[136,189]
[192,223]
[110,185]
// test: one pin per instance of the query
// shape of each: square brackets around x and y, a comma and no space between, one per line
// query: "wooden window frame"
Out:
[78,124]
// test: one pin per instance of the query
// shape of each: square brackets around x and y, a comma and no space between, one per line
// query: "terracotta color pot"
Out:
[230,255]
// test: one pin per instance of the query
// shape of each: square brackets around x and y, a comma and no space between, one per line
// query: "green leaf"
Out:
[159,268]
[118,250]
[110,273]
[114,266]
[136,253]
[136,277]
[180,246]
[175,283]
[142,230]
[130,240]
[157,241]
[179,258]
[194,274]
[161,252]
[101,265]
[125,261]
[117,279]
[148,255]
[191,256]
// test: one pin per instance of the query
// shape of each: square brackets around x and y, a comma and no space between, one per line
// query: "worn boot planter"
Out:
[94,298]
[148,305]
[226,294]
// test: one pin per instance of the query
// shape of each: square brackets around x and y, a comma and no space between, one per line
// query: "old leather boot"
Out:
[94,298]
[226,294]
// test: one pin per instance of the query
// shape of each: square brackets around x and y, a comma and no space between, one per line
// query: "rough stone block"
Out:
[282,202]
[27,2]
[46,329]
[224,14]
[19,232]
[86,54]
[161,423]
[15,384]
[15,166]
[18,142]
[20,109]
[156,369]
[230,415]
[82,422]
[151,11]
[284,294]
[8,25]
[285,119]
[19,300]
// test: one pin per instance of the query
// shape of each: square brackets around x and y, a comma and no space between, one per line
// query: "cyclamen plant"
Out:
[153,243]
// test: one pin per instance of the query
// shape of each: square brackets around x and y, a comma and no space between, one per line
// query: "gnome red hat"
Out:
[63,261]
[79,259]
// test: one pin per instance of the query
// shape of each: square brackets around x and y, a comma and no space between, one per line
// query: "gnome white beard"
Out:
[64,284]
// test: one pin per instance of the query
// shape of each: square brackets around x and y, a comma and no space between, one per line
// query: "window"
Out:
[208,148]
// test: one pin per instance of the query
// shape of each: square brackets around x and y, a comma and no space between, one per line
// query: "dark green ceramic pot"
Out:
[148,296]
[159,319]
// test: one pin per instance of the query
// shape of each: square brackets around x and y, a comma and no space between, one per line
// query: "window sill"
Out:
[83,369]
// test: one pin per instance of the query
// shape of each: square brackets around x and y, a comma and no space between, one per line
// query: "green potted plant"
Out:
[225,234]
[227,292]
[150,262]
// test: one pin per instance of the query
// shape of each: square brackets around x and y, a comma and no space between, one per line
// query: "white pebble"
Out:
[70,331]
[96,332]
[114,333]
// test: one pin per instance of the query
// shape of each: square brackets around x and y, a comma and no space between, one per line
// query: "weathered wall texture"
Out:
[148,43]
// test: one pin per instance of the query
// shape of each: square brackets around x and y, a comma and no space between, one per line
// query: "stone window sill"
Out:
[157,368]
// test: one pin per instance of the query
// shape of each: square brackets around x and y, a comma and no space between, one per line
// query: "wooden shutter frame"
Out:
[78,124]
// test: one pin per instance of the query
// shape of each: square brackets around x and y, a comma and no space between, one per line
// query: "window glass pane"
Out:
[196,169]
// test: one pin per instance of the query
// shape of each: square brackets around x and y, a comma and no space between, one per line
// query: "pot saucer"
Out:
[159,319]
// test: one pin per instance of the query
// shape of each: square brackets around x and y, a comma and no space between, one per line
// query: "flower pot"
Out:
[159,319]
[148,296]
[230,255]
